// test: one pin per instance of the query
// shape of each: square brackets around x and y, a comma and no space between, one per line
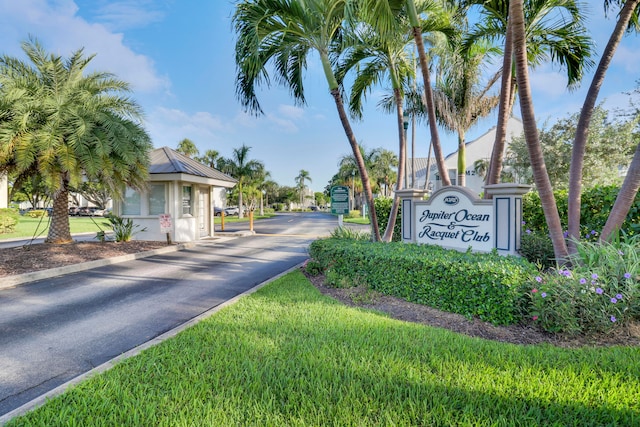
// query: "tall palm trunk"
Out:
[364,176]
[538,166]
[495,165]
[426,177]
[428,92]
[625,199]
[240,201]
[582,129]
[59,231]
[402,138]
[366,184]
[462,160]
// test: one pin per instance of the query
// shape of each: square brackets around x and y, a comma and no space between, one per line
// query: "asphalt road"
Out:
[56,329]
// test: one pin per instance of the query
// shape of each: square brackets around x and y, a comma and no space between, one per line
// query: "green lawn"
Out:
[289,356]
[27,227]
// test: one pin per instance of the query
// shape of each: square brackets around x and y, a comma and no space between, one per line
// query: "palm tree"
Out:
[383,15]
[244,171]
[302,177]
[188,148]
[375,58]
[284,33]
[378,57]
[382,170]
[541,178]
[210,158]
[66,127]
[459,102]
[627,20]
[554,31]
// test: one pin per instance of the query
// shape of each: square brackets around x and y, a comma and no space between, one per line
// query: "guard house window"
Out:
[157,199]
[131,204]
[186,200]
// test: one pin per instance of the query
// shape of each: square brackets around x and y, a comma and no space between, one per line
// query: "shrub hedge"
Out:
[596,205]
[383,209]
[487,286]
[8,220]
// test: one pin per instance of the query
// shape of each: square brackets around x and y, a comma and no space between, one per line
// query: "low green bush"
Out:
[37,213]
[600,293]
[123,228]
[8,220]
[354,214]
[383,210]
[487,286]
[537,248]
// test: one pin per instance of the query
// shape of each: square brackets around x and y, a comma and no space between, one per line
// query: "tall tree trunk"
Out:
[582,130]
[538,166]
[334,89]
[426,177]
[402,154]
[240,210]
[495,164]
[366,184]
[462,160]
[625,199]
[59,231]
[428,92]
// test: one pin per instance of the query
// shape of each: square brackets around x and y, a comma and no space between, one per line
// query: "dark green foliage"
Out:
[383,209]
[596,205]
[486,286]
[8,220]
[536,247]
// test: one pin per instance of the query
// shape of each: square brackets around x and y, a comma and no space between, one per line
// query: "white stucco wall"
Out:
[4,191]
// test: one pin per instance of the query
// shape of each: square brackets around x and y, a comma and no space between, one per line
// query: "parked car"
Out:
[74,211]
[84,211]
[232,210]
[218,211]
[97,212]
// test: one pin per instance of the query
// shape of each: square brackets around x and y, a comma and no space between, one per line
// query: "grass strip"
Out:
[29,227]
[289,356]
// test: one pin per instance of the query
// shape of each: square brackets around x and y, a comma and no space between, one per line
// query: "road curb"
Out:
[12,281]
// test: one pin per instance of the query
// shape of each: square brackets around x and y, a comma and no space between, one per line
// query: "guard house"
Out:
[181,187]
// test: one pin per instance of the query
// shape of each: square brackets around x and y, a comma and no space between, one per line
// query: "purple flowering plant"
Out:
[599,293]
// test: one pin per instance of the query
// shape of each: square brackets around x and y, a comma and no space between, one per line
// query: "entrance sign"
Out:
[340,200]
[455,218]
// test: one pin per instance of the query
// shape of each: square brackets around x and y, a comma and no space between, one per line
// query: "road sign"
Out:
[340,200]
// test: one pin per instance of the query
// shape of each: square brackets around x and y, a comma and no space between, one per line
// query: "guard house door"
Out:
[203,211]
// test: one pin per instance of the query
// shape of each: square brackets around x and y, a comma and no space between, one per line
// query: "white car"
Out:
[233,210]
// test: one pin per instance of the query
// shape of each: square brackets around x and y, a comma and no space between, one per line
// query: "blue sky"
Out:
[178,57]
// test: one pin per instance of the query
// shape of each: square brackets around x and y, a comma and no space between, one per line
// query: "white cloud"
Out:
[291,111]
[169,126]
[60,30]
[126,14]
[627,57]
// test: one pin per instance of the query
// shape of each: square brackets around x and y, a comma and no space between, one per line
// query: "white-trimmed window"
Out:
[187,200]
[131,205]
[157,198]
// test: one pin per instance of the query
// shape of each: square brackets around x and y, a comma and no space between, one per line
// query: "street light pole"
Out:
[405,125]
